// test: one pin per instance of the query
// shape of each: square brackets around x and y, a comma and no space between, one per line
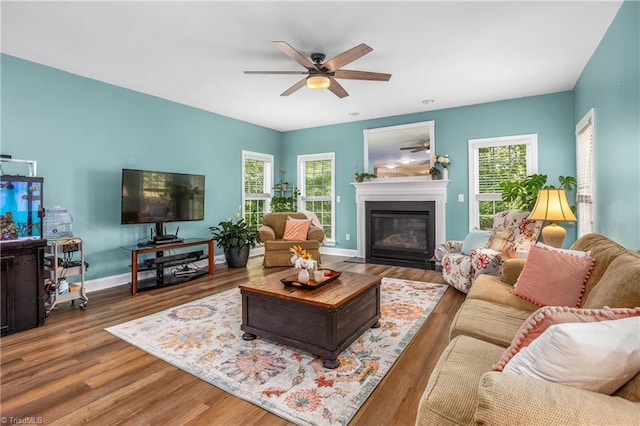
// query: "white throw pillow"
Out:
[578,253]
[597,356]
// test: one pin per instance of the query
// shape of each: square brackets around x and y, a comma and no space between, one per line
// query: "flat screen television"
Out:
[159,197]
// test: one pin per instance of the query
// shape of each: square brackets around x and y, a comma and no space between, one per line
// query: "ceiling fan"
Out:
[425,146]
[323,75]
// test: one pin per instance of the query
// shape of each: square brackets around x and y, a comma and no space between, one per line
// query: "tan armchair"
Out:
[276,250]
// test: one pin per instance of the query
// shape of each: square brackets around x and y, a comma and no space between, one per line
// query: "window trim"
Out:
[301,159]
[531,140]
[257,156]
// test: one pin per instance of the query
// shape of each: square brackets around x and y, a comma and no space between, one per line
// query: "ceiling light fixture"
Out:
[318,82]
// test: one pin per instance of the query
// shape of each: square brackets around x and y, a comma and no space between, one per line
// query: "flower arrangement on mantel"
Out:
[443,160]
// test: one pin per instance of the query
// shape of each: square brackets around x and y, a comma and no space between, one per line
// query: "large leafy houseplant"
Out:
[235,238]
[521,194]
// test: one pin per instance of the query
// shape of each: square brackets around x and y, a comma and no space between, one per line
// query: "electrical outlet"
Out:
[461,198]
[347,237]
[337,198]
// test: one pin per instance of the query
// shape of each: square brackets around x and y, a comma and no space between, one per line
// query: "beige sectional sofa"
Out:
[463,389]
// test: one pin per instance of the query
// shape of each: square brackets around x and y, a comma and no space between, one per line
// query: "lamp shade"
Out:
[318,82]
[552,205]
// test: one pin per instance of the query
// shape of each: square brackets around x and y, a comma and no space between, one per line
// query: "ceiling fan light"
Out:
[318,82]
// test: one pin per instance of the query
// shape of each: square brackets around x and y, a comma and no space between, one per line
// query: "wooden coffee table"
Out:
[323,321]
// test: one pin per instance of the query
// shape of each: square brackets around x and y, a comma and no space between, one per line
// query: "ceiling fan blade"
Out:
[412,147]
[277,72]
[295,87]
[337,89]
[361,75]
[347,57]
[295,55]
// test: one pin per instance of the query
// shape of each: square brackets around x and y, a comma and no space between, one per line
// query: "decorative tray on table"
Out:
[329,275]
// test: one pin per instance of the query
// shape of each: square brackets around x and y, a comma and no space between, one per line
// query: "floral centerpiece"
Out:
[302,259]
[443,161]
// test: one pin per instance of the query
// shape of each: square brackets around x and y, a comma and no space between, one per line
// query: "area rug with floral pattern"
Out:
[203,338]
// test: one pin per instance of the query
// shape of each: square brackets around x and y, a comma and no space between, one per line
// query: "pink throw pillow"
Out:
[545,317]
[295,230]
[551,278]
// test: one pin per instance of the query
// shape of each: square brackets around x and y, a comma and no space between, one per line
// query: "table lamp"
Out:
[552,205]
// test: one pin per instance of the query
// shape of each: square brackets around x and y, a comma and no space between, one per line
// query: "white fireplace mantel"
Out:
[416,188]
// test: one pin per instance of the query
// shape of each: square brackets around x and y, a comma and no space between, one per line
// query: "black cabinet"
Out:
[22,285]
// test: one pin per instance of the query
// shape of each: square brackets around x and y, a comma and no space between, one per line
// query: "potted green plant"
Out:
[434,172]
[235,238]
[363,177]
[521,194]
[285,203]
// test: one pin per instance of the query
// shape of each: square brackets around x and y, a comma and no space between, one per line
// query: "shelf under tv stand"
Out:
[160,280]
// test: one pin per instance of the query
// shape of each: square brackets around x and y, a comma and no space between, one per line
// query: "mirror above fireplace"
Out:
[400,151]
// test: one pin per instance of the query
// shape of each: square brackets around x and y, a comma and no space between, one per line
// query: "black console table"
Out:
[22,285]
[160,263]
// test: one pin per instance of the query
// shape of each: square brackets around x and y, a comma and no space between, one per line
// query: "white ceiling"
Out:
[456,53]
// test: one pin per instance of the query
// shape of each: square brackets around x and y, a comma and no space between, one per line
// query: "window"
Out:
[257,179]
[316,179]
[585,192]
[494,160]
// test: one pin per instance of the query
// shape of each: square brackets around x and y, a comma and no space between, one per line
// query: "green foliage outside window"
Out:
[254,213]
[497,164]
[318,191]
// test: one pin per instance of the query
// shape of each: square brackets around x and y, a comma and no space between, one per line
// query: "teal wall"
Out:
[83,132]
[610,83]
[550,116]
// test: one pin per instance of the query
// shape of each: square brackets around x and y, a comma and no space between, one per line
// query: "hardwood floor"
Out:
[71,371]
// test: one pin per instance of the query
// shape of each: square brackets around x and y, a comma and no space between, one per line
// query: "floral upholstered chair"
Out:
[512,231]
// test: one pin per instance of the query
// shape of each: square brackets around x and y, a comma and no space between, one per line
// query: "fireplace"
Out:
[399,190]
[400,233]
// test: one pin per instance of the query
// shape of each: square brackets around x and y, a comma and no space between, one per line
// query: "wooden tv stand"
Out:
[160,280]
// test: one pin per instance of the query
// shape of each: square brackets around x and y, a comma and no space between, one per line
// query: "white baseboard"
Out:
[338,251]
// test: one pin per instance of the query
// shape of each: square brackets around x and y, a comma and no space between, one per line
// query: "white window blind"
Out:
[500,163]
[585,191]
[495,160]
